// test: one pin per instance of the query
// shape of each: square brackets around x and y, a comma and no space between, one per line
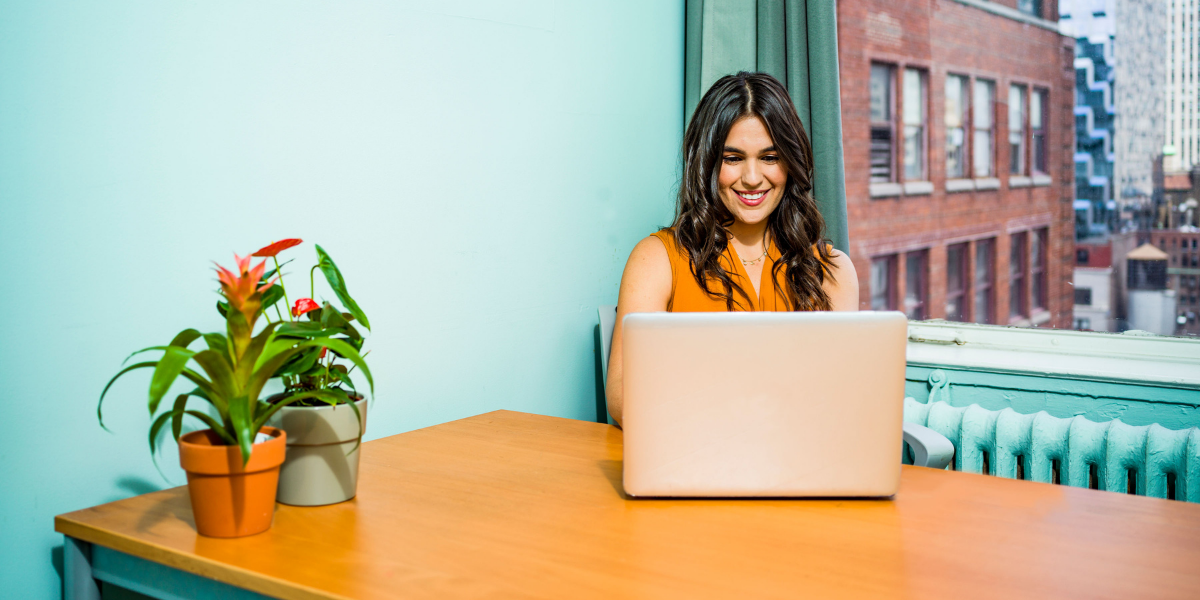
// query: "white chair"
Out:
[929,448]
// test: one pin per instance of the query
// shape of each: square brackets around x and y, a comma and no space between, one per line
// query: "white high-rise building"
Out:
[1182,147]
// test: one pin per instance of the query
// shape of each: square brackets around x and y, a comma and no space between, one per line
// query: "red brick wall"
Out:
[944,36]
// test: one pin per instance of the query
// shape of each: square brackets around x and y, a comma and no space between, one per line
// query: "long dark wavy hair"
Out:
[796,226]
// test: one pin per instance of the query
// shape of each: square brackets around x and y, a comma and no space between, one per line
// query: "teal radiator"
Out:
[1148,460]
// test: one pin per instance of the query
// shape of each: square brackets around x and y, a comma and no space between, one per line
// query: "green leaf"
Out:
[333,319]
[271,296]
[214,425]
[267,369]
[245,365]
[302,329]
[184,338]
[218,343]
[338,284]
[223,308]
[100,405]
[220,372]
[300,364]
[173,360]
[177,419]
[242,421]
[324,395]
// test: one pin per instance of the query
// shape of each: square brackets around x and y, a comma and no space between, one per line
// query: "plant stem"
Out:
[312,287]
[284,288]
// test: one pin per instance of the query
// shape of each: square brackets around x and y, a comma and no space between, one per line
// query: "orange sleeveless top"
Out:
[688,296]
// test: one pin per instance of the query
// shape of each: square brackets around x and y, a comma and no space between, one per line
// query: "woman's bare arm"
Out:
[645,287]
[843,293]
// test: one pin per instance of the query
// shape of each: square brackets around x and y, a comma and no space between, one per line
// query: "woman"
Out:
[747,234]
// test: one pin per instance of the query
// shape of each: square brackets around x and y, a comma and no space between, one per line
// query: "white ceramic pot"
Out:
[322,453]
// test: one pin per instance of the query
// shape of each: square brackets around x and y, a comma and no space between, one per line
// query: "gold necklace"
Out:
[751,263]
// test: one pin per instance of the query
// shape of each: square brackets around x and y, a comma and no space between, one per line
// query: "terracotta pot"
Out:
[322,453]
[230,499]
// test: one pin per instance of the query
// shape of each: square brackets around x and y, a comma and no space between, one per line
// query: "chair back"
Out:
[608,321]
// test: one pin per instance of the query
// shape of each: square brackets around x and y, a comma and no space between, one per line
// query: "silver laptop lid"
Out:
[763,404]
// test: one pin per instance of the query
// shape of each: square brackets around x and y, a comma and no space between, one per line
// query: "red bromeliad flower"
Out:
[277,247]
[304,305]
[241,288]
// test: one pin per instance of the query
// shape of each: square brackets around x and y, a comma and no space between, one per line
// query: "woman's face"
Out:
[752,177]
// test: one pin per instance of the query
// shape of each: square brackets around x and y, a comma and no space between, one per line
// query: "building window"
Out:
[1083,296]
[1083,324]
[985,277]
[914,125]
[1016,276]
[883,283]
[981,150]
[1016,129]
[882,100]
[1030,7]
[957,102]
[1037,268]
[1038,116]
[916,290]
[956,282]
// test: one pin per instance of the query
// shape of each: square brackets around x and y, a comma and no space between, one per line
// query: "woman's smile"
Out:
[751,198]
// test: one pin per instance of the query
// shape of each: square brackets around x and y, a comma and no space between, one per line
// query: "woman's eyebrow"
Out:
[740,151]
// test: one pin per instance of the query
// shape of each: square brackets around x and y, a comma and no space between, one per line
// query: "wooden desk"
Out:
[515,505]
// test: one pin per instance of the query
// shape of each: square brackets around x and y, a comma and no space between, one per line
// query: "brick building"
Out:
[958,126]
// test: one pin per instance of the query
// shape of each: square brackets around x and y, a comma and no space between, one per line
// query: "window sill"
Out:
[960,185]
[1113,357]
[881,190]
[987,183]
[1019,181]
[914,188]
[1042,180]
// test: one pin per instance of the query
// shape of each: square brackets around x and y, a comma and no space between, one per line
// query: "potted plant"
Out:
[324,415]
[233,466]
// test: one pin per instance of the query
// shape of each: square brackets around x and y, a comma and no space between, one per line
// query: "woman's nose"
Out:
[751,174]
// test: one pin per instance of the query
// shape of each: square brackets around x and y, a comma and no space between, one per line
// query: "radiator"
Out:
[1148,460]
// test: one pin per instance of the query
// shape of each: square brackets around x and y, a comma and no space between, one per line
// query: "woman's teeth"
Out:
[754,196]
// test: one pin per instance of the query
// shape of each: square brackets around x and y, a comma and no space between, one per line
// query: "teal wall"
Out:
[479,171]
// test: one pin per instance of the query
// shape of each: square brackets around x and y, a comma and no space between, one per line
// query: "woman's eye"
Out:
[770,159]
[729,160]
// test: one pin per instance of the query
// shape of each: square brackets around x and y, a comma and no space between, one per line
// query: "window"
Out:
[985,261]
[1083,324]
[1038,107]
[1082,256]
[1016,129]
[956,282]
[914,125]
[916,292]
[883,283]
[957,101]
[881,124]
[1083,296]
[1030,7]
[982,141]
[1037,268]
[1016,276]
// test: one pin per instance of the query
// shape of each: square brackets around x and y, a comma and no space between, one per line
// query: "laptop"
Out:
[763,404]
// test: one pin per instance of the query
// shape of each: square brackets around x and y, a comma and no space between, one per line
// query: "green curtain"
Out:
[795,41]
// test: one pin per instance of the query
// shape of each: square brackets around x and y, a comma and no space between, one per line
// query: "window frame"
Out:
[966,125]
[890,262]
[1018,163]
[963,293]
[1038,280]
[1039,160]
[1018,276]
[990,110]
[983,284]
[903,125]
[893,175]
[919,309]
